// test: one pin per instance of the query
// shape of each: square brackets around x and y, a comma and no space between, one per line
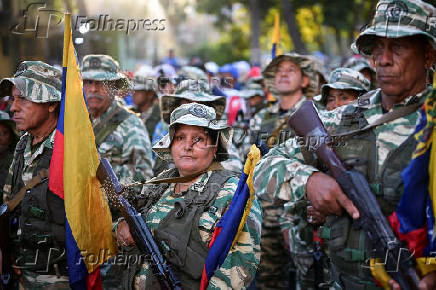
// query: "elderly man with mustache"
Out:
[120,135]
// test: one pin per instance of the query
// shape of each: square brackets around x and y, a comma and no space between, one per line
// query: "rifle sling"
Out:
[213,167]
[273,137]
[385,118]
[38,179]
[109,124]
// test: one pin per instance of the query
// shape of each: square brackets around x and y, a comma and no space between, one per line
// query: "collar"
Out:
[107,113]
[275,108]
[374,98]
[47,143]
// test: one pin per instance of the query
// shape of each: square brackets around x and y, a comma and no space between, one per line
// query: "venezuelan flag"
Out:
[276,35]
[413,221]
[230,225]
[73,170]
[415,224]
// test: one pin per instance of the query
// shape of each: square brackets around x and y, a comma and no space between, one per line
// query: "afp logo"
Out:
[37,19]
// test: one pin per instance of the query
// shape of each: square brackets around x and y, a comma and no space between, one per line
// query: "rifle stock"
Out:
[399,261]
[138,228]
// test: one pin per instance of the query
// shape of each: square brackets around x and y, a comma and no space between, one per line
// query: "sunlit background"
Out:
[220,31]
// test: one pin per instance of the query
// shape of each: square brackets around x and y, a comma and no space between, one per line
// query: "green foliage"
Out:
[233,46]
[285,43]
[310,20]
[320,22]
[337,13]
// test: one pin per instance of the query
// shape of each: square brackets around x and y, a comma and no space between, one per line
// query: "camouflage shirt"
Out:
[31,156]
[283,174]
[273,112]
[240,265]
[128,148]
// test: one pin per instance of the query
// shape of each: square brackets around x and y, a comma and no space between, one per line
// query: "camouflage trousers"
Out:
[273,271]
[34,281]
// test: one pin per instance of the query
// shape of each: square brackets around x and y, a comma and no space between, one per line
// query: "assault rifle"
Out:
[138,228]
[399,261]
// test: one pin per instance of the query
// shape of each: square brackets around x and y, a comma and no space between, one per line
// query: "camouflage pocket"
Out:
[335,231]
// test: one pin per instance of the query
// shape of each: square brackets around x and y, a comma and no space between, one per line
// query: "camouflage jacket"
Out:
[128,148]
[31,157]
[266,114]
[283,174]
[240,265]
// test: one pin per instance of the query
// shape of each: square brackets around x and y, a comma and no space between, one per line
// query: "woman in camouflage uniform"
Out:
[182,212]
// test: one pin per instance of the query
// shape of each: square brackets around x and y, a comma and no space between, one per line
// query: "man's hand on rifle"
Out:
[428,282]
[327,197]
[124,237]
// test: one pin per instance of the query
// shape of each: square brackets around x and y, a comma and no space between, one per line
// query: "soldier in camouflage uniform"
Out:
[120,135]
[38,222]
[291,77]
[345,85]
[145,99]
[255,100]
[403,51]
[196,132]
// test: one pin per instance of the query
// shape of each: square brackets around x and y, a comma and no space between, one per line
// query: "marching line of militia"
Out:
[343,192]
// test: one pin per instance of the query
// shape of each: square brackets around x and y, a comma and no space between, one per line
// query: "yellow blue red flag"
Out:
[276,35]
[414,219]
[230,225]
[89,241]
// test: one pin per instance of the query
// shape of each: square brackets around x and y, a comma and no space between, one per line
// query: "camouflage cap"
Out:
[144,79]
[252,89]
[37,81]
[358,64]
[344,79]
[196,115]
[395,19]
[194,91]
[101,67]
[192,73]
[319,67]
[305,62]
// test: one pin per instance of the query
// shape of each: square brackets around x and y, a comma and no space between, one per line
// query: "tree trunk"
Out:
[291,21]
[255,18]
[338,37]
